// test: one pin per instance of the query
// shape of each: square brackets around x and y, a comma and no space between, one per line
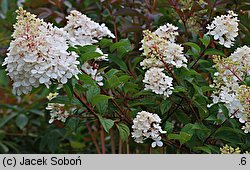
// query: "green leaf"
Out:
[201,105]
[2,135]
[165,106]
[3,78]
[203,148]
[213,148]
[92,91]
[102,106]
[183,137]
[123,45]
[111,72]
[89,56]
[86,48]
[73,123]
[123,131]
[182,117]
[22,121]
[3,148]
[212,51]
[130,87]
[68,90]
[86,79]
[106,123]
[80,88]
[169,126]
[194,46]
[77,145]
[179,89]
[228,134]
[113,82]
[100,98]
[119,62]
[205,40]
[188,128]
[6,119]
[51,139]
[105,43]
[124,78]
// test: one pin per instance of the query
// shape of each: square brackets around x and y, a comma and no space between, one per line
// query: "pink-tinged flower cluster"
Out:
[229,85]
[159,46]
[38,54]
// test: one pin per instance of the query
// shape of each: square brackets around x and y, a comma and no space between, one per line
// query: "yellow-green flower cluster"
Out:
[230,150]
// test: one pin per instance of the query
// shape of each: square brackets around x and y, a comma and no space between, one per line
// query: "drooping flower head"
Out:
[225,29]
[38,54]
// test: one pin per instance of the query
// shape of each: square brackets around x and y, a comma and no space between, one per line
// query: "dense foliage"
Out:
[192,99]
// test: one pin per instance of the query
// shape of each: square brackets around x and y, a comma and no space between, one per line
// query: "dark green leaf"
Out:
[165,106]
[99,98]
[89,56]
[205,40]
[6,119]
[214,52]
[123,131]
[106,123]
[22,121]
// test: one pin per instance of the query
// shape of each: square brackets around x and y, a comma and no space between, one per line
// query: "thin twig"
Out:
[85,103]
[112,138]
[120,146]
[232,115]
[103,140]
[93,138]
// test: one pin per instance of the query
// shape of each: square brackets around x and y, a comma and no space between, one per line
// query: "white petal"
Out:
[153,144]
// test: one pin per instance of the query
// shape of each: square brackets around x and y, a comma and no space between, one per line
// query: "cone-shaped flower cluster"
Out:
[38,54]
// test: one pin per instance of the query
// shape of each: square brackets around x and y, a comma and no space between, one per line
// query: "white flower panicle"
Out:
[228,84]
[225,29]
[83,31]
[38,54]
[160,46]
[93,72]
[147,125]
[227,94]
[158,82]
[57,112]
